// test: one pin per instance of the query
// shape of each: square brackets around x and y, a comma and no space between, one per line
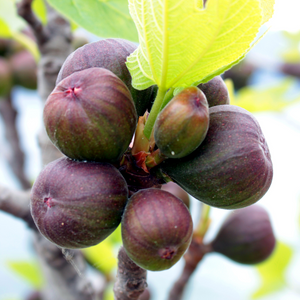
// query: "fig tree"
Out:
[78,204]
[90,115]
[183,123]
[246,236]
[232,168]
[156,229]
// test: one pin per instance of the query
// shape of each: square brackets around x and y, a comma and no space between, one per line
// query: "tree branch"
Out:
[131,279]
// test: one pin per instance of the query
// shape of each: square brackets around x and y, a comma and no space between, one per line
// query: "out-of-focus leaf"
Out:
[105,18]
[4,29]
[270,99]
[8,13]
[40,10]
[109,293]
[292,53]
[230,88]
[30,271]
[272,271]
[116,237]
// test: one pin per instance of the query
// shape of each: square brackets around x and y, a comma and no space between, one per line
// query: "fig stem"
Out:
[169,95]
[154,111]
[204,221]
[141,142]
[155,158]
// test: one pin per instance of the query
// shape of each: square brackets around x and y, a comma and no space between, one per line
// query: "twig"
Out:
[131,279]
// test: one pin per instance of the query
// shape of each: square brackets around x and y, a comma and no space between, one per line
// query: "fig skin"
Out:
[90,115]
[78,204]
[246,236]
[156,229]
[109,54]
[232,168]
[216,91]
[183,123]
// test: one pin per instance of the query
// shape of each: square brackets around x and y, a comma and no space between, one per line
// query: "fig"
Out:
[109,54]
[24,69]
[232,168]
[90,115]
[78,204]
[182,124]
[215,91]
[177,191]
[156,229]
[5,77]
[246,236]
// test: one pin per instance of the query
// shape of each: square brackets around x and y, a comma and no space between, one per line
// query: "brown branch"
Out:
[192,258]
[16,157]
[131,279]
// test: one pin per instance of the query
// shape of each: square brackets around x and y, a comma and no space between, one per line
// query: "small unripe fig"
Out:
[78,204]
[232,168]
[156,229]
[24,69]
[183,123]
[109,54]
[215,91]
[90,115]
[5,77]
[246,236]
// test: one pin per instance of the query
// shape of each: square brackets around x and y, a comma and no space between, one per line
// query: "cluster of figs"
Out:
[213,150]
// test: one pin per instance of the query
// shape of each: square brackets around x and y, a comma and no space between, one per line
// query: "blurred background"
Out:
[266,83]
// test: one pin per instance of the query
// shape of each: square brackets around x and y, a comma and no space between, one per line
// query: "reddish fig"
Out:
[156,229]
[109,54]
[90,115]
[24,69]
[215,91]
[5,77]
[232,168]
[246,236]
[78,204]
[182,125]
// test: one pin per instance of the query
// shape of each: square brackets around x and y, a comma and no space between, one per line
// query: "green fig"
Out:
[246,236]
[156,229]
[109,54]
[182,124]
[90,115]
[232,168]
[78,204]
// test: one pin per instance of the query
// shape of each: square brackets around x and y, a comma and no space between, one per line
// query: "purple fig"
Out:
[246,236]
[24,69]
[5,77]
[90,115]
[183,123]
[232,168]
[109,54]
[78,204]
[156,229]
[215,91]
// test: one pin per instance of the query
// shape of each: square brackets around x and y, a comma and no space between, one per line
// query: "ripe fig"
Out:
[78,204]
[183,123]
[90,115]
[232,168]
[156,229]
[246,236]
[215,91]
[5,77]
[24,69]
[109,54]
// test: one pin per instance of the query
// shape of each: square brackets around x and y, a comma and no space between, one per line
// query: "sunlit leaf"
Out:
[105,18]
[267,9]
[30,271]
[230,88]
[4,29]
[272,271]
[267,99]
[181,44]
[8,13]
[109,293]
[40,10]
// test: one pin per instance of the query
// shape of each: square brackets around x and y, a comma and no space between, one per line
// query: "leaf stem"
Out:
[154,112]
[204,221]
[168,97]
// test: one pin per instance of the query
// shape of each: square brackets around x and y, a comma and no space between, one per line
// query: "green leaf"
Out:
[267,99]
[4,29]
[105,18]
[8,13]
[180,43]
[40,10]
[29,271]
[272,271]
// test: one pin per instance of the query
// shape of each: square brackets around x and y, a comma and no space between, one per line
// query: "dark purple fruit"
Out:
[182,125]
[78,204]
[5,77]
[215,91]
[90,115]
[156,229]
[24,69]
[109,54]
[232,168]
[246,236]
